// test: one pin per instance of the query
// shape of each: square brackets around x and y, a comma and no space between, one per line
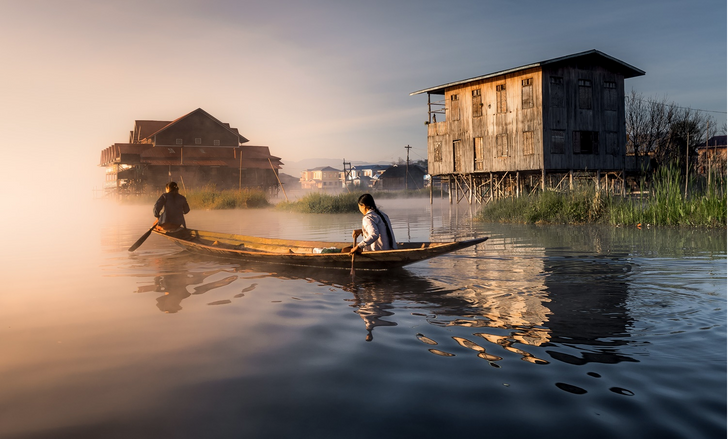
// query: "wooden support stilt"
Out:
[571,179]
[449,188]
[599,177]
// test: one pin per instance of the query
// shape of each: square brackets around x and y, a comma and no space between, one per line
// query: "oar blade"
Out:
[141,240]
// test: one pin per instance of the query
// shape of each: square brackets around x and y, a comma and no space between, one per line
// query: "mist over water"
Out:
[575,331]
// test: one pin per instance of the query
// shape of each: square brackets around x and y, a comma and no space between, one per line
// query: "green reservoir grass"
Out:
[319,202]
[662,204]
[208,198]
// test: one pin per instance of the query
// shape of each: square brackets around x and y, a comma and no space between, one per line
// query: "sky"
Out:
[308,78]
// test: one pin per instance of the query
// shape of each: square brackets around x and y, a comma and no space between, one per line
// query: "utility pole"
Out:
[406,173]
[347,174]
[706,155]
[687,164]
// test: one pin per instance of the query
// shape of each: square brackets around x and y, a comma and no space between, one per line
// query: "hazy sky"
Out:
[308,78]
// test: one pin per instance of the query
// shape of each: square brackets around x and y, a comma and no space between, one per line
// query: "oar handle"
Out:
[353,256]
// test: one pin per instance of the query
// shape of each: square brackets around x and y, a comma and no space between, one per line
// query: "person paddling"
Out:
[171,208]
[376,228]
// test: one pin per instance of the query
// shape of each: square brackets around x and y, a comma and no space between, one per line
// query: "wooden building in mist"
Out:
[194,150]
[529,127]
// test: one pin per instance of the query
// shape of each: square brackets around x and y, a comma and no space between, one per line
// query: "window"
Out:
[611,144]
[586,142]
[198,141]
[178,141]
[501,97]
[437,152]
[457,156]
[216,142]
[477,103]
[556,91]
[501,145]
[558,139]
[478,153]
[527,93]
[454,107]
[610,95]
[528,143]
[585,94]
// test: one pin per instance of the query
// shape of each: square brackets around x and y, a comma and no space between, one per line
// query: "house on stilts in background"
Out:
[527,128]
[194,150]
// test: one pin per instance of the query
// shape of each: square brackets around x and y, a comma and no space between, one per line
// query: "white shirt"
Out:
[375,232]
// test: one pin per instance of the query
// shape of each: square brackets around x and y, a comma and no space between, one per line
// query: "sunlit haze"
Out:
[309,79]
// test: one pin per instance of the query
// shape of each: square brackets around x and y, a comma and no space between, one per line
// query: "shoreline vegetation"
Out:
[208,197]
[659,202]
[662,202]
[319,202]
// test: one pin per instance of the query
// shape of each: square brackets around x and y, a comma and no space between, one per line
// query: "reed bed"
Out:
[319,202]
[576,207]
[210,198]
[666,203]
[662,203]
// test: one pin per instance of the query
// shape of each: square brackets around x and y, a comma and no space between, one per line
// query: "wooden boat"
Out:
[315,254]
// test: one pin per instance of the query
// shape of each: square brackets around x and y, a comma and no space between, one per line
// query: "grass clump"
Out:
[666,204]
[549,207]
[210,198]
[317,202]
[661,203]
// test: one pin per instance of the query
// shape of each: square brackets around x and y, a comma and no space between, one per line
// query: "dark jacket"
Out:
[170,209]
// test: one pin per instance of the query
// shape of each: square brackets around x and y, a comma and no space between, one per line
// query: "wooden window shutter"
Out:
[576,142]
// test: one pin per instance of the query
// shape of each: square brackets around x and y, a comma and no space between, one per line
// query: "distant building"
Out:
[364,175]
[323,177]
[509,131]
[401,177]
[713,155]
[194,150]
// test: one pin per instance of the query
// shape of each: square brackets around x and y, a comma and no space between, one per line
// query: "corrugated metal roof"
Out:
[629,71]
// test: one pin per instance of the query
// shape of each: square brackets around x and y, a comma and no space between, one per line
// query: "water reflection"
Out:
[529,305]
[175,274]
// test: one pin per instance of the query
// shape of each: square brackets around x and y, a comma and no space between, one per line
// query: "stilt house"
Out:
[531,126]
[194,150]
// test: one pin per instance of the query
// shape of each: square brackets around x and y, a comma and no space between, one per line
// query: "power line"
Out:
[676,106]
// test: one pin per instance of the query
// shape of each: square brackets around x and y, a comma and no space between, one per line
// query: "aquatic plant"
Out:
[550,207]
[318,202]
[210,198]
[660,202]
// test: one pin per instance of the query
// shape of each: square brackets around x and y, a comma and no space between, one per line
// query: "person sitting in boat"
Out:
[171,208]
[376,228]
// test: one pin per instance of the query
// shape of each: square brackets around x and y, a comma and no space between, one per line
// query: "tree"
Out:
[660,129]
[647,122]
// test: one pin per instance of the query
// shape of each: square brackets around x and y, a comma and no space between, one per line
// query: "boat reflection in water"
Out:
[531,303]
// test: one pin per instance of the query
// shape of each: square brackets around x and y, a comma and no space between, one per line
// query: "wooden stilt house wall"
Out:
[522,129]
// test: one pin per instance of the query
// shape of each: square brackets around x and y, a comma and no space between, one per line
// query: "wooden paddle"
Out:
[144,237]
[353,255]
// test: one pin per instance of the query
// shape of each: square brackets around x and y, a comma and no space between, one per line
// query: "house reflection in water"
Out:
[546,297]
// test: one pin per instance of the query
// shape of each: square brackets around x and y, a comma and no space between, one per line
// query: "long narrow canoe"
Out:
[309,253]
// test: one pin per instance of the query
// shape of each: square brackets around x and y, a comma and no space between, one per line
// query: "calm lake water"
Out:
[546,332]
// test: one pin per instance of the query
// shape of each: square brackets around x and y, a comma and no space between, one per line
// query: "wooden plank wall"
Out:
[505,136]
[455,137]
[605,119]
